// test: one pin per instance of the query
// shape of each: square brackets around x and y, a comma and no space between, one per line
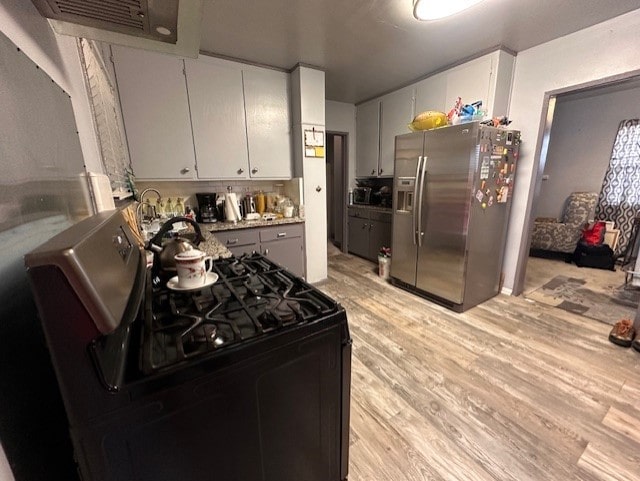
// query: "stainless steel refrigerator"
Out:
[452,194]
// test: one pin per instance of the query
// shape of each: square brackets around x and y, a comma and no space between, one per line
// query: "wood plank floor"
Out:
[509,390]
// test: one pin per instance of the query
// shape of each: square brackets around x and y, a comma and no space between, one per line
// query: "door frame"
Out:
[540,160]
[345,183]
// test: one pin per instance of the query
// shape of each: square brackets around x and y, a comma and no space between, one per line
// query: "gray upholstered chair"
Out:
[563,235]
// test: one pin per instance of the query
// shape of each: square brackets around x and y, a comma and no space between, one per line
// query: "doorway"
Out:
[580,129]
[337,177]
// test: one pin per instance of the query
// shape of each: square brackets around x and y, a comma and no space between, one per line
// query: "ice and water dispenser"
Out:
[404,189]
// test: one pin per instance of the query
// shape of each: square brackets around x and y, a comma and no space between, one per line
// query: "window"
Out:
[107,117]
[622,182]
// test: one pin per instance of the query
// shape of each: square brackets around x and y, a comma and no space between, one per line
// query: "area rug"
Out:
[573,295]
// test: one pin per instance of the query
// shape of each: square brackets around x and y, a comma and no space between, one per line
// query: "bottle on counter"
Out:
[260,203]
[168,208]
[271,201]
[161,207]
[179,207]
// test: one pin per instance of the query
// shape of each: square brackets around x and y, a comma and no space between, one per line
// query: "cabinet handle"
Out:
[364,226]
[373,172]
[254,170]
[370,227]
[266,252]
[381,171]
[318,188]
[232,241]
[186,170]
[240,171]
[282,234]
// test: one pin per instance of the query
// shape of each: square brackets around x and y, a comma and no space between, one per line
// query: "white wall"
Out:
[582,136]
[597,52]
[58,56]
[341,117]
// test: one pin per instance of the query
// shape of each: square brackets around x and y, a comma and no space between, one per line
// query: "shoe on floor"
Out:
[623,333]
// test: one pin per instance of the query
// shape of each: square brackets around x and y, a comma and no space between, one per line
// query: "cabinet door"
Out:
[470,81]
[155,109]
[217,116]
[359,236]
[267,99]
[289,253]
[379,236]
[241,241]
[397,113]
[367,139]
[431,94]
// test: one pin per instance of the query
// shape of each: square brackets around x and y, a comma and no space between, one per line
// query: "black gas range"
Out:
[245,379]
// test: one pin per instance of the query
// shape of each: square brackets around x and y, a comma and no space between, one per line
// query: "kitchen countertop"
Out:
[248,224]
[375,208]
[213,247]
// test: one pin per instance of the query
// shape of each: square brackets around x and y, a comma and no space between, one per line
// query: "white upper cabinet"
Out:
[367,138]
[431,94]
[267,106]
[487,78]
[470,81]
[218,118]
[377,124]
[206,118]
[156,114]
[397,114]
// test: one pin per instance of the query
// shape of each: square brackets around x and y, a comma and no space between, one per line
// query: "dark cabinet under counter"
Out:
[283,244]
[369,230]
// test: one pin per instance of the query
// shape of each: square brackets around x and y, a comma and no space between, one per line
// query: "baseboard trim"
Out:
[507,291]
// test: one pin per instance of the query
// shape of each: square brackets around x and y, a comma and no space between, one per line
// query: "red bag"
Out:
[593,235]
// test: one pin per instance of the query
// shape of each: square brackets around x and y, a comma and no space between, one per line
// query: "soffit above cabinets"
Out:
[169,26]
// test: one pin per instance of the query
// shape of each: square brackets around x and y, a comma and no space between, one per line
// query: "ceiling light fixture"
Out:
[435,9]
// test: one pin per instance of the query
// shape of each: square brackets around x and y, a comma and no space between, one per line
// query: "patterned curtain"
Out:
[619,199]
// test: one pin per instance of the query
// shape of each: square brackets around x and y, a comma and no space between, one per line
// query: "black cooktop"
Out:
[252,298]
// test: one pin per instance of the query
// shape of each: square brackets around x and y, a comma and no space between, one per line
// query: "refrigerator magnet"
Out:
[502,195]
[479,196]
[490,201]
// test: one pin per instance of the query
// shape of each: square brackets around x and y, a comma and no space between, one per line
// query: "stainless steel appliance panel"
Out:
[489,217]
[404,248]
[448,177]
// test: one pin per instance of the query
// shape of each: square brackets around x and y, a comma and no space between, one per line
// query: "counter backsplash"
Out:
[188,189]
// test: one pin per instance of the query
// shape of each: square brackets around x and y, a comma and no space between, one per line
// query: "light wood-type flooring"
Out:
[540,271]
[509,390]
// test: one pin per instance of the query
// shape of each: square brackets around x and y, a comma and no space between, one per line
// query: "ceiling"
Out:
[368,47]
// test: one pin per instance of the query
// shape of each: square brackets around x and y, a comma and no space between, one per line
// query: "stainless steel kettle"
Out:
[164,259]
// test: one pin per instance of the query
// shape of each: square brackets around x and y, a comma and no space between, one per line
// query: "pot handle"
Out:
[156,241]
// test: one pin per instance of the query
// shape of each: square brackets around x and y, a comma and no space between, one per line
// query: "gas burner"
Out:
[253,298]
[280,312]
[205,333]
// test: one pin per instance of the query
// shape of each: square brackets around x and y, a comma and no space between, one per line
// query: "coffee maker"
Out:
[207,212]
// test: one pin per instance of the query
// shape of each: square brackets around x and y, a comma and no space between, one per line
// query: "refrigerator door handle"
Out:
[420,199]
[416,203]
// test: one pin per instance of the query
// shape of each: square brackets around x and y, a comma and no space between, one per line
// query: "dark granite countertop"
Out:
[248,224]
[375,208]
